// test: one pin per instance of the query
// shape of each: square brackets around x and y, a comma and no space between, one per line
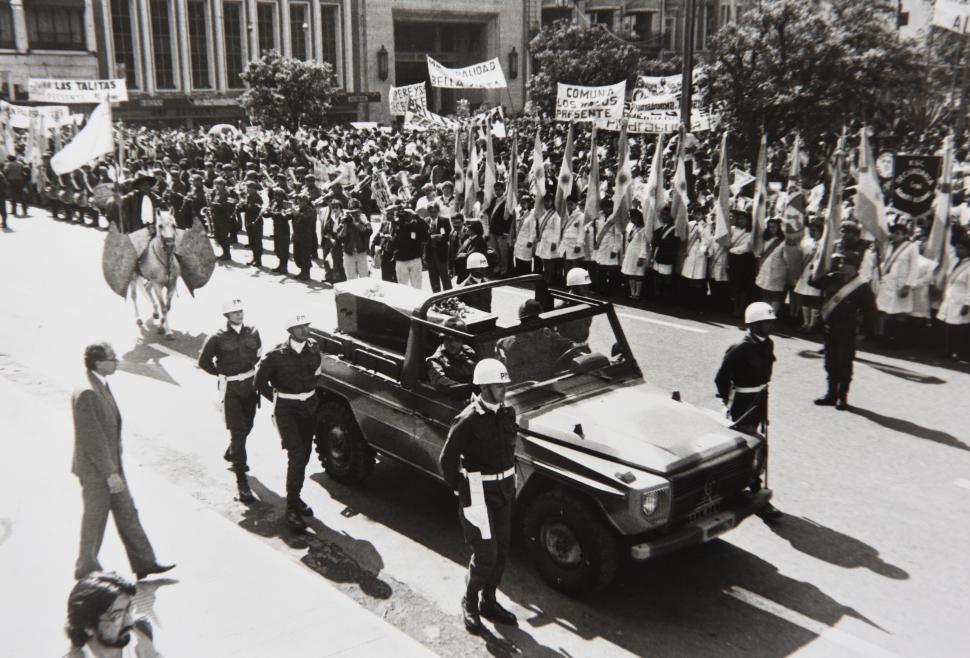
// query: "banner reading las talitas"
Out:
[402,98]
[485,75]
[578,103]
[53,90]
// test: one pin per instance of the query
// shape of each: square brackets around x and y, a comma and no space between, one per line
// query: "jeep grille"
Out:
[702,490]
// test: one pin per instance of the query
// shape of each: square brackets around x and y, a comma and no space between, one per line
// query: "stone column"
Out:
[90,39]
[316,30]
[218,29]
[287,42]
[19,27]
[253,29]
[184,50]
[144,20]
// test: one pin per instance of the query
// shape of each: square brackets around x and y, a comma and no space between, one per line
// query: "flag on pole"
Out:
[624,179]
[654,196]
[537,175]
[459,167]
[565,187]
[512,183]
[936,245]
[833,216]
[490,173]
[794,213]
[93,141]
[722,206]
[592,205]
[679,200]
[869,207]
[759,210]
[471,176]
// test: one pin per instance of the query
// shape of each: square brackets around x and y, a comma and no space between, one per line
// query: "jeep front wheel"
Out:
[571,545]
[344,454]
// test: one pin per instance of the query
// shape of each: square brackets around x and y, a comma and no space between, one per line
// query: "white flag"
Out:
[93,141]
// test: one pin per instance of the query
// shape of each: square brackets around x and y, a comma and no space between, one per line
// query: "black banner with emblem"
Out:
[914,182]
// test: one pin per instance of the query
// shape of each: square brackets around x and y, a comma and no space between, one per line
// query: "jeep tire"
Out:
[344,454]
[570,543]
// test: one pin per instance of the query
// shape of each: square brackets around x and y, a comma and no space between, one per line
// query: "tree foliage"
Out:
[287,92]
[811,66]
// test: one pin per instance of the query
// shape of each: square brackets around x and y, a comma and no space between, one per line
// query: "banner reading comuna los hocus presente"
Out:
[55,90]
[578,103]
[484,75]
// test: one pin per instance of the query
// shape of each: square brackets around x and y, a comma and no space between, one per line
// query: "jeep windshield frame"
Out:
[576,307]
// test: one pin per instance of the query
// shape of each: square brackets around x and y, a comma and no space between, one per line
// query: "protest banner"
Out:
[648,85]
[54,90]
[380,190]
[658,122]
[20,115]
[952,15]
[914,182]
[400,99]
[579,103]
[484,75]
[422,119]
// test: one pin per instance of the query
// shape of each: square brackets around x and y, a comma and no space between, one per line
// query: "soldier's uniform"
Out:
[478,462]
[742,380]
[452,373]
[280,215]
[252,212]
[288,378]
[231,355]
[849,306]
[304,231]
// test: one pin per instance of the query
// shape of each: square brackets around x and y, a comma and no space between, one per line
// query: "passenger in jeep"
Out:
[451,366]
[532,355]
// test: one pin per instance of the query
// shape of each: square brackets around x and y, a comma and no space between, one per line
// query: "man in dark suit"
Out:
[97,464]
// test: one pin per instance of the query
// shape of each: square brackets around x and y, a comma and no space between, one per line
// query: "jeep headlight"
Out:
[655,504]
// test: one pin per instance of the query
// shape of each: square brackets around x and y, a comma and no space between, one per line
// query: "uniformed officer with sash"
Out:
[743,378]
[478,462]
[849,303]
[231,355]
[287,376]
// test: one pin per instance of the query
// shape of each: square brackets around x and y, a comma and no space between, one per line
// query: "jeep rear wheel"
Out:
[344,454]
[571,545]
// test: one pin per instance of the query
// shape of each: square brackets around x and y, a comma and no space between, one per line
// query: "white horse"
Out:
[158,272]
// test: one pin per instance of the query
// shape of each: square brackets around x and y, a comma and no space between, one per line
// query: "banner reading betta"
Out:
[484,75]
[579,103]
[54,90]
[914,182]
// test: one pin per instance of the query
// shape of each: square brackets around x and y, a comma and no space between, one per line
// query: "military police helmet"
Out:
[490,371]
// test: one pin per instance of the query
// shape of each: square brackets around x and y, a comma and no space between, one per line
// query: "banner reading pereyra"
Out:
[55,90]
[579,103]
[20,114]
[484,75]
[400,99]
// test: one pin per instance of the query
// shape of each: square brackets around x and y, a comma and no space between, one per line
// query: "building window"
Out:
[121,36]
[232,18]
[162,44]
[300,30]
[603,17]
[328,27]
[266,23]
[552,14]
[6,26]
[56,25]
[199,44]
[642,25]
[670,33]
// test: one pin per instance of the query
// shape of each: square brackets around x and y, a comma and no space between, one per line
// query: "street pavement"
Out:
[869,559]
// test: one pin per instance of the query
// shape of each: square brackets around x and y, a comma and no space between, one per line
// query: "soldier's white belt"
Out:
[241,376]
[296,396]
[750,389]
[491,477]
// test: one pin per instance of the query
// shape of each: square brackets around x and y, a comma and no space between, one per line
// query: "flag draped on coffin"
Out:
[833,216]
[936,245]
[565,187]
[537,174]
[678,204]
[759,210]
[592,205]
[622,184]
[654,197]
[490,172]
[722,206]
[794,215]
[869,209]
[471,176]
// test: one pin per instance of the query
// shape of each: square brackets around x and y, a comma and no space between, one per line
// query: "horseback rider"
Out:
[138,207]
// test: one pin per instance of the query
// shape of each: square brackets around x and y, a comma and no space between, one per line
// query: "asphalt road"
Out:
[869,560]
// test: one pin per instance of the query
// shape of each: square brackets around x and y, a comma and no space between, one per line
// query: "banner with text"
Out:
[579,103]
[484,75]
[401,98]
[914,182]
[659,122]
[952,15]
[54,90]
[421,119]
[20,115]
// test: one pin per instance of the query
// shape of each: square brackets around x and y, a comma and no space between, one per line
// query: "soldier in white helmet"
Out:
[578,282]
[287,377]
[477,266]
[478,462]
[743,378]
[231,355]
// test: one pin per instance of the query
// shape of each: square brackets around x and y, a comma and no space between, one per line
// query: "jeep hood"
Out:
[639,425]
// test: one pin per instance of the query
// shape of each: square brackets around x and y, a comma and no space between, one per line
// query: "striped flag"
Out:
[565,187]
[512,183]
[490,172]
[722,206]
[623,181]
[759,209]
[537,175]
[833,216]
[471,176]
[869,208]
[654,196]
[936,245]
[592,206]
[679,198]
[459,167]
[794,213]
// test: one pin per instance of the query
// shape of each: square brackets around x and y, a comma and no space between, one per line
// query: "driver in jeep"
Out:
[533,355]
[451,366]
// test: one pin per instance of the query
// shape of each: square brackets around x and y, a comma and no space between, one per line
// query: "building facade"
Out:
[46,39]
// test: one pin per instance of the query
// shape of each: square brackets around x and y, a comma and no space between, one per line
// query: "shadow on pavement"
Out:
[145,359]
[666,606]
[911,428]
[833,547]
[888,368]
[336,556]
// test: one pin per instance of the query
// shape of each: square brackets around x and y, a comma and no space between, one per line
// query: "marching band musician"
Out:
[251,209]
[279,212]
[222,207]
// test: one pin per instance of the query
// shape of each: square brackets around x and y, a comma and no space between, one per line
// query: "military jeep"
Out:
[608,465]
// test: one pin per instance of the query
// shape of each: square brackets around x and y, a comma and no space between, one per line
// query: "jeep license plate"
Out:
[716,525]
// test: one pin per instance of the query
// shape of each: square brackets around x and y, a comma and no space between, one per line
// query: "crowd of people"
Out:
[318,194]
